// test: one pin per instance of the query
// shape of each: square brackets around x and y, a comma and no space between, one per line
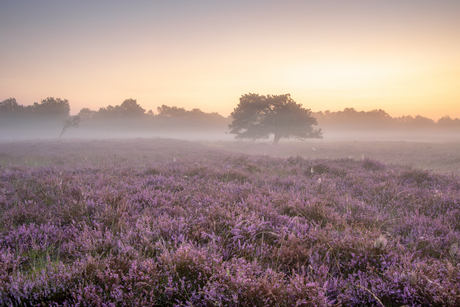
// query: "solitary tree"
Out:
[71,121]
[258,117]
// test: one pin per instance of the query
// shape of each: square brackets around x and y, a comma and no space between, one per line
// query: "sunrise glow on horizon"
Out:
[399,56]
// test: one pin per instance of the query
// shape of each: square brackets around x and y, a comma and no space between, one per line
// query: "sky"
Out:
[402,56]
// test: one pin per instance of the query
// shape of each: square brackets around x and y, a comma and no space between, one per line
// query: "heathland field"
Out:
[156,222]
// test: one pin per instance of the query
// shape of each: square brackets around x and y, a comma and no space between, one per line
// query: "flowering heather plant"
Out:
[169,223]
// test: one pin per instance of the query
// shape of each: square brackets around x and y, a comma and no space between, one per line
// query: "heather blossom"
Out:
[170,223]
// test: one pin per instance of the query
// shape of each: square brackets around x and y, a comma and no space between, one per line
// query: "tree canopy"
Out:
[53,107]
[9,105]
[166,111]
[258,117]
[128,109]
[48,108]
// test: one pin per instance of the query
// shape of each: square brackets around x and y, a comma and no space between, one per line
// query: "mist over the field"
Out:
[47,120]
[123,205]
[230,153]
[20,129]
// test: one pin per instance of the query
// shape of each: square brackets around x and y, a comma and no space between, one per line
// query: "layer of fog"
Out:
[27,130]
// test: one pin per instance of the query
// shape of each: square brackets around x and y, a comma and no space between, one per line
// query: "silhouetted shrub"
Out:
[152,172]
[373,165]
[416,176]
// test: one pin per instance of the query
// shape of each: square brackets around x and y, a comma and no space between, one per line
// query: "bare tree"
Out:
[71,121]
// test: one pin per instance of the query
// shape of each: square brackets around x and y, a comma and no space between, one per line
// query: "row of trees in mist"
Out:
[49,108]
[57,108]
[129,119]
[130,109]
[351,119]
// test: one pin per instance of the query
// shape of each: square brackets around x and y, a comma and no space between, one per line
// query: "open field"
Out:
[156,222]
[442,157]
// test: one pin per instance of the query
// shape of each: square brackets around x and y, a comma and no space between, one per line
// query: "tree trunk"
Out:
[276,139]
[62,132]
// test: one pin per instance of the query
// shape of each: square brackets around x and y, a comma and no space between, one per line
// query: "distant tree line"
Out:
[54,114]
[59,108]
[350,119]
[48,108]
[126,119]
[131,113]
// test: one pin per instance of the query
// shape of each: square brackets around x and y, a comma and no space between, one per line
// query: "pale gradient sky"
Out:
[401,56]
